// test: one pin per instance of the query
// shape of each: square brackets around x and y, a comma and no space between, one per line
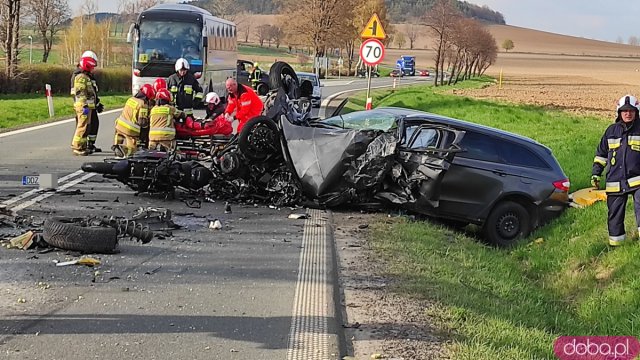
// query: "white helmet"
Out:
[628,102]
[212,98]
[90,54]
[182,63]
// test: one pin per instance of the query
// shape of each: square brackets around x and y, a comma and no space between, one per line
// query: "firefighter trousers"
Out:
[127,144]
[162,145]
[79,141]
[615,220]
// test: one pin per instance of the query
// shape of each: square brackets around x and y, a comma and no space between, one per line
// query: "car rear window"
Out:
[488,148]
[313,79]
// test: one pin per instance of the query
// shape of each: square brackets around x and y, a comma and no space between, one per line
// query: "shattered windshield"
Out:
[169,41]
[363,120]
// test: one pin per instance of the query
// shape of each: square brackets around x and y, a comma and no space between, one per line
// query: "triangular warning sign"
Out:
[373,29]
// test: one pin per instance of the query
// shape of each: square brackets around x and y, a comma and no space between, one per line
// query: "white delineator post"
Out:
[47,92]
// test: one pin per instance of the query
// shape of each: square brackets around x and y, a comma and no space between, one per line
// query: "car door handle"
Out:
[499,172]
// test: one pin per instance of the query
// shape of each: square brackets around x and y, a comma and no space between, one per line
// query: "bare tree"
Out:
[276,35]
[412,34]
[10,35]
[263,33]
[89,7]
[400,40]
[439,20]
[49,15]
[317,22]
[633,40]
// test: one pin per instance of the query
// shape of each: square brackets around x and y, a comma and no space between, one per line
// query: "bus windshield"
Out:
[167,41]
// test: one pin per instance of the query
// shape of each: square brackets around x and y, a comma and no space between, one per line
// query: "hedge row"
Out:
[32,79]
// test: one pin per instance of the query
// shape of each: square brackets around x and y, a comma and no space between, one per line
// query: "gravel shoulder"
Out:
[379,322]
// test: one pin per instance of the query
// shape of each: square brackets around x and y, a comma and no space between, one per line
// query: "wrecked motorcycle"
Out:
[255,164]
[154,172]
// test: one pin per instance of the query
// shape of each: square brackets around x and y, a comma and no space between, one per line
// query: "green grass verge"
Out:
[22,110]
[562,280]
[280,53]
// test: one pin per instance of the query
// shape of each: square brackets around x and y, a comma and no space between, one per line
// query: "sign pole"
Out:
[369,100]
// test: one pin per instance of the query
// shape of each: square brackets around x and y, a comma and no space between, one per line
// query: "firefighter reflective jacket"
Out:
[620,149]
[162,122]
[246,103]
[134,115]
[83,92]
[93,82]
[186,91]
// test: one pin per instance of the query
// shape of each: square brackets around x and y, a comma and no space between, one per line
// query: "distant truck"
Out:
[408,65]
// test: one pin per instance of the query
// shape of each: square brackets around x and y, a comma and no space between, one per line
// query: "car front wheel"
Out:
[507,223]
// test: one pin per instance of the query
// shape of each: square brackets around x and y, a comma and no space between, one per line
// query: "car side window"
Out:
[515,154]
[480,147]
[423,139]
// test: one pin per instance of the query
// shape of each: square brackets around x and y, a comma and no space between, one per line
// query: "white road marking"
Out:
[28,203]
[36,191]
[44,126]
[309,337]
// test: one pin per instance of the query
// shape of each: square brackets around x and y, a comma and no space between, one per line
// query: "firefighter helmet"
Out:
[182,63]
[212,98]
[90,54]
[87,64]
[628,102]
[160,83]
[148,91]
[163,94]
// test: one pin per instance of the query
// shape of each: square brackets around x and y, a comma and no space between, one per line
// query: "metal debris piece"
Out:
[227,208]
[298,216]
[23,241]
[88,261]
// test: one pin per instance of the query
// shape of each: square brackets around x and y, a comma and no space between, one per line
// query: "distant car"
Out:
[396,73]
[316,97]
[423,72]
[244,77]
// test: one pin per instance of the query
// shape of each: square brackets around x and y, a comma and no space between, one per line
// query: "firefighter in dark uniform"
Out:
[184,88]
[619,149]
[94,123]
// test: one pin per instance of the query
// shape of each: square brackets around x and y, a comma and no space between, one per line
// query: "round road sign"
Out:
[372,51]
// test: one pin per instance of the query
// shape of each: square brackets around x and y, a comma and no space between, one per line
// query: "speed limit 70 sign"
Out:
[372,51]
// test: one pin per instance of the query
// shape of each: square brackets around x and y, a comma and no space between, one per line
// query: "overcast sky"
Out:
[600,20]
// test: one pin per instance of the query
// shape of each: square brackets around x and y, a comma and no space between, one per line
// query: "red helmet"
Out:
[88,64]
[160,83]
[163,94]
[148,91]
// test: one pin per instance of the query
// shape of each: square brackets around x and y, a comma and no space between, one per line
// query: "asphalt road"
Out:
[262,287]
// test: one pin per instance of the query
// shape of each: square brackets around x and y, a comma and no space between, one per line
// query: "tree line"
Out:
[463,46]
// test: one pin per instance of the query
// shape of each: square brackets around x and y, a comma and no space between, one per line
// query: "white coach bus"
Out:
[165,33]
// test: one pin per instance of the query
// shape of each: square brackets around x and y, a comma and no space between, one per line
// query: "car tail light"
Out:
[136,72]
[562,185]
[198,75]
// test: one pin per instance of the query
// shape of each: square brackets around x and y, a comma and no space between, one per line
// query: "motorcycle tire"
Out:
[279,72]
[65,233]
[98,168]
[246,142]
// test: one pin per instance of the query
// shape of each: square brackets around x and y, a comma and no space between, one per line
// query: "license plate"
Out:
[31,180]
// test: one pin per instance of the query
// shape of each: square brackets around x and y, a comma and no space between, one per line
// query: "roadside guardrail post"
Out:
[47,92]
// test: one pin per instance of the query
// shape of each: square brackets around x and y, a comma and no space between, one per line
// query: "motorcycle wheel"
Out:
[279,73]
[258,137]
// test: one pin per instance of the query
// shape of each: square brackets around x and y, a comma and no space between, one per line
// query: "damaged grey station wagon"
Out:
[460,172]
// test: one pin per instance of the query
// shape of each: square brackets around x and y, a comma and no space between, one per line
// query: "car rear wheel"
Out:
[507,223]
